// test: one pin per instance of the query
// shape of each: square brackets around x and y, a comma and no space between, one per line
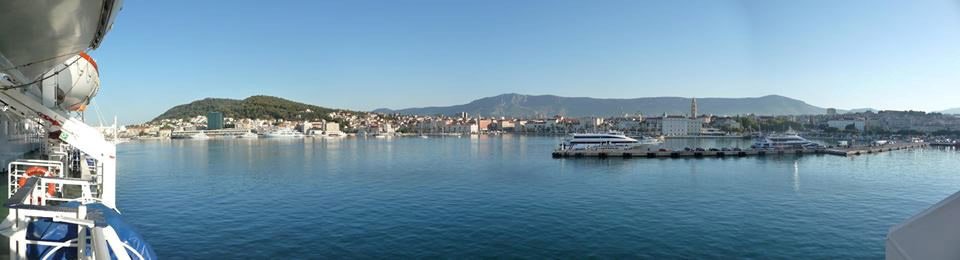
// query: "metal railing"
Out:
[17,170]
[30,203]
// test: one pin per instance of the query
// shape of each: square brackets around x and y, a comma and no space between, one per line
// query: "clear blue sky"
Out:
[362,55]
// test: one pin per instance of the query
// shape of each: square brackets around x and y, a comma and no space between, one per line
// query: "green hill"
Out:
[257,107]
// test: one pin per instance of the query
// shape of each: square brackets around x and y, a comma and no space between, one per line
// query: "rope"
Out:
[43,60]
[41,79]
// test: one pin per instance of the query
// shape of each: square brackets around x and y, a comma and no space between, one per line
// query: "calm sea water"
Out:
[506,197]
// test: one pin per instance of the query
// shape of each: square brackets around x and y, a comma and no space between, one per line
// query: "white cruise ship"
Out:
[61,173]
[788,140]
[615,140]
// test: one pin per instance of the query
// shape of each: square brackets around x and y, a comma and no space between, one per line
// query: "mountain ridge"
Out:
[520,105]
[955,110]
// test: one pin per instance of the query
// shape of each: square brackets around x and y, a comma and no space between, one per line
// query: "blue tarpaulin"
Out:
[45,229]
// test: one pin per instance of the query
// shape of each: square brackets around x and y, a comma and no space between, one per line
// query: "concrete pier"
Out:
[945,144]
[644,153]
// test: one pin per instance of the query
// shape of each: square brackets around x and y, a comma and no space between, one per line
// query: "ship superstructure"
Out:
[61,173]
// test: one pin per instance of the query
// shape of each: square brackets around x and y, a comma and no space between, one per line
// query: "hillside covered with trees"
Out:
[256,107]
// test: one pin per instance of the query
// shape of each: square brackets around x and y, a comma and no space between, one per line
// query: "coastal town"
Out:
[693,124]
[720,129]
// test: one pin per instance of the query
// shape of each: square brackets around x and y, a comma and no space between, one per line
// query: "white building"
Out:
[727,122]
[694,126]
[593,122]
[680,126]
[331,128]
[629,125]
[463,128]
[534,126]
[652,126]
[673,126]
[860,124]
[387,129]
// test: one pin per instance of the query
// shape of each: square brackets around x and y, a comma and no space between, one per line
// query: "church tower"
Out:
[693,108]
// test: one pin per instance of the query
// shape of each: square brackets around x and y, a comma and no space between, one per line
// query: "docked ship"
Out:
[248,135]
[200,136]
[61,173]
[283,133]
[612,140]
[787,140]
[197,136]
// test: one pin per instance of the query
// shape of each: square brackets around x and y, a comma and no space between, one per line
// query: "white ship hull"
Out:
[784,141]
[282,136]
[612,140]
[284,133]
[248,136]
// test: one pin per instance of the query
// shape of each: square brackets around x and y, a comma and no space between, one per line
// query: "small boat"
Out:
[284,133]
[424,136]
[248,135]
[334,134]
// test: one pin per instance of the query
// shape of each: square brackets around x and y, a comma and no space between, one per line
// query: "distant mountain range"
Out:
[955,110]
[262,107]
[518,105]
[513,105]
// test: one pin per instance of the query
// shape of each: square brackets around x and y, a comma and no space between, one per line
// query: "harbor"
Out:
[728,152]
[420,130]
[541,196]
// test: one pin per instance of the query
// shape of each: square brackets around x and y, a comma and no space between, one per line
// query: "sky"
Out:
[363,54]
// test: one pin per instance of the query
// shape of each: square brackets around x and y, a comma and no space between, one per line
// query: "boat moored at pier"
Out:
[284,133]
[248,135]
[787,140]
[607,140]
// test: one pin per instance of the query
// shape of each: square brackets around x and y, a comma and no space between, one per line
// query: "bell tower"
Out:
[693,108]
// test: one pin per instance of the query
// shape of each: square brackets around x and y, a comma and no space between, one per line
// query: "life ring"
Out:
[38,171]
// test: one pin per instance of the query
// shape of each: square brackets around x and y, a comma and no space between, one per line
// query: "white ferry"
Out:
[61,173]
[788,140]
[615,140]
[284,133]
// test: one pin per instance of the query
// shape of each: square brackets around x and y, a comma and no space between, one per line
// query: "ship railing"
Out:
[95,239]
[18,169]
[81,165]
[85,191]
[58,154]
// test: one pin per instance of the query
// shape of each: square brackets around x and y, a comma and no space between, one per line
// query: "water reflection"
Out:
[796,175]
[448,196]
